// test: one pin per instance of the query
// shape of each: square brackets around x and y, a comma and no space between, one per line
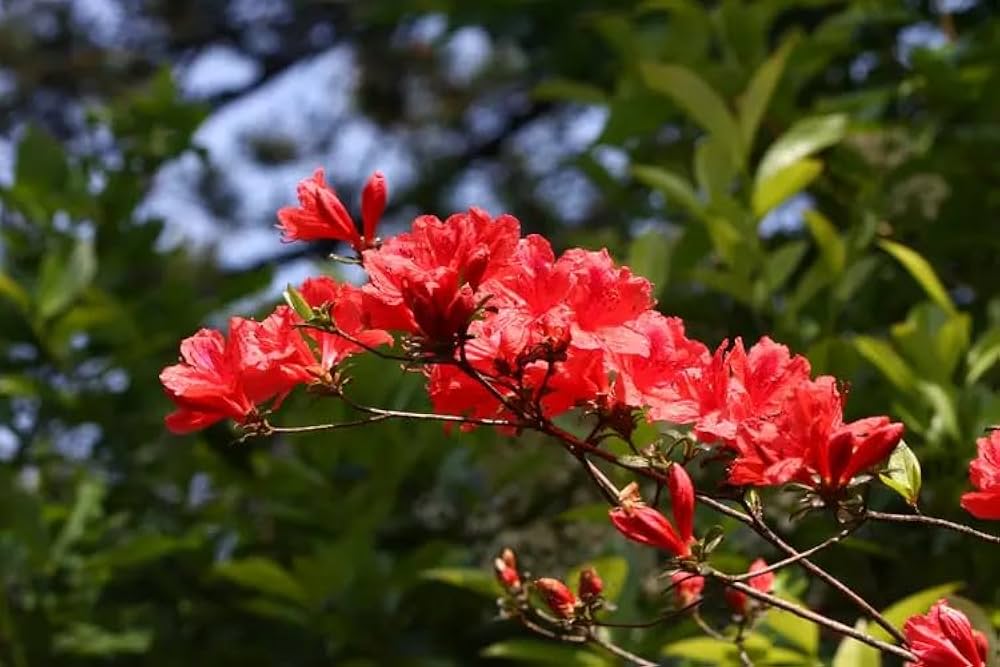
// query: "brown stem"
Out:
[619,651]
[932,521]
[812,616]
[797,557]
[765,531]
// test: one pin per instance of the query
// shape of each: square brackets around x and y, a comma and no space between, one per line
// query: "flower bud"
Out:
[373,198]
[590,586]
[686,587]
[738,601]
[505,567]
[558,597]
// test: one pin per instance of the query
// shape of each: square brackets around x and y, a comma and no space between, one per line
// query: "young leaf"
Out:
[755,100]
[918,603]
[699,101]
[675,188]
[803,139]
[852,653]
[265,576]
[902,473]
[470,578]
[922,272]
[831,245]
[62,278]
[298,303]
[784,183]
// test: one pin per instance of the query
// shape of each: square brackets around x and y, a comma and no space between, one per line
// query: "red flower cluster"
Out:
[984,473]
[260,362]
[547,334]
[944,638]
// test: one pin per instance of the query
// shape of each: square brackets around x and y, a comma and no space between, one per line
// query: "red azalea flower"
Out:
[641,523]
[319,215]
[944,638]
[739,601]
[687,587]
[373,198]
[347,310]
[605,301]
[205,386]
[984,473]
[590,586]
[558,597]
[733,386]
[809,442]
[438,264]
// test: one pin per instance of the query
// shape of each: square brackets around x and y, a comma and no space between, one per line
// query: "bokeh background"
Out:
[146,144]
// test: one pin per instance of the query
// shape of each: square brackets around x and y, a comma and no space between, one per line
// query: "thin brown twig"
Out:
[812,616]
[932,521]
[778,565]
[618,651]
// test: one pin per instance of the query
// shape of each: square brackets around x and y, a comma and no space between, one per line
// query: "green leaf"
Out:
[700,102]
[545,653]
[832,249]
[922,272]
[805,138]
[713,168]
[918,603]
[613,571]
[13,292]
[797,631]
[852,653]
[755,100]
[62,278]
[263,575]
[87,639]
[701,649]
[902,473]
[591,512]
[983,355]
[675,188]
[298,303]
[18,385]
[86,508]
[784,183]
[470,578]
[649,256]
[882,355]
[41,164]
[782,263]
[573,91]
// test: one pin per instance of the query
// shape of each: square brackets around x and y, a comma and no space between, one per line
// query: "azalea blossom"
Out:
[321,215]
[984,473]
[944,637]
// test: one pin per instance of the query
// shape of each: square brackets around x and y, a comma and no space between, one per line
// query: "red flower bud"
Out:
[373,198]
[682,500]
[591,586]
[687,587]
[505,566]
[739,601]
[643,524]
[558,597]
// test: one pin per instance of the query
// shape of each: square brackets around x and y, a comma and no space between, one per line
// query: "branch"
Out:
[619,651]
[932,521]
[797,557]
[812,616]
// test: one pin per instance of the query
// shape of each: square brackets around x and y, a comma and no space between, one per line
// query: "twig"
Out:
[932,521]
[797,557]
[812,616]
[619,651]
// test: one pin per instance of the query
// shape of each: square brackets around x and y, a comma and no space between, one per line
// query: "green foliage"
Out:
[165,551]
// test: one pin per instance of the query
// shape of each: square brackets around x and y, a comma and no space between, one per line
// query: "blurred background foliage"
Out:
[821,172]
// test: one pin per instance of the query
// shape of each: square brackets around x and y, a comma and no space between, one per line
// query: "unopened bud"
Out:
[373,198]
[591,586]
[505,566]
[558,597]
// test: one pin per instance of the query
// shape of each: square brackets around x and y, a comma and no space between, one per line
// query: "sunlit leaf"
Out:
[784,183]
[545,653]
[471,579]
[805,138]
[852,653]
[902,473]
[263,575]
[918,603]
[922,272]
